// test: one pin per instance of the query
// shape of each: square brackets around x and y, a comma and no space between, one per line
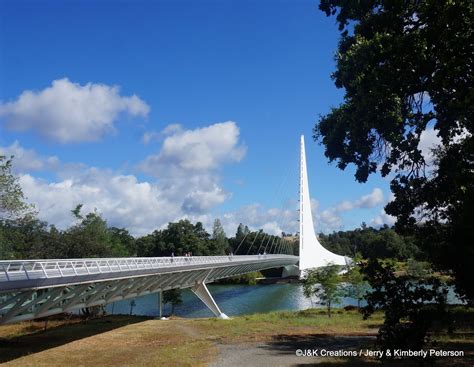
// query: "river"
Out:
[233,300]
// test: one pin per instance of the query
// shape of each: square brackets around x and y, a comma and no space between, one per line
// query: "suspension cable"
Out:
[269,238]
[241,242]
[253,242]
[261,242]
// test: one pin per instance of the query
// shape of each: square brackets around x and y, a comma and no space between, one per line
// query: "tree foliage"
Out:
[407,67]
[369,242]
[12,199]
[324,284]
[411,305]
[178,239]
[356,286]
[219,242]
[173,297]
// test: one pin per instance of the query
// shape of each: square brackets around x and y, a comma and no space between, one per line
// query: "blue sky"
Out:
[151,111]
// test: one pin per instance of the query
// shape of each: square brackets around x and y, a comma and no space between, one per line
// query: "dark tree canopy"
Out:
[406,67]
[411,305]
[177,239]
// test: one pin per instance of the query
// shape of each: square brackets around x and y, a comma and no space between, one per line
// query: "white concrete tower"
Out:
[312,253]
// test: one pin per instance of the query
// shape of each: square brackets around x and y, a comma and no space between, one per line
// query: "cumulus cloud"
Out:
[26,160]
[367,201]
[123,199]
[255,216]
[194,151]
[199,200]
[149,136]
[69,112]
[277,220]
[383,218]
[330,219]
[428,141]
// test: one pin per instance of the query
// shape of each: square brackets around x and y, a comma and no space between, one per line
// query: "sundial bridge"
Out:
[31,289]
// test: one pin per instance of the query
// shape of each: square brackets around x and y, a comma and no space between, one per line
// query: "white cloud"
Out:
[204,194]
[371,200]
[383,218]
[428,141]
[194,151]
[124,200]
[69,112]
[272,220]
[277,220]
[142,206]
[27,159]
[330,219]
[149,136]
[367,201]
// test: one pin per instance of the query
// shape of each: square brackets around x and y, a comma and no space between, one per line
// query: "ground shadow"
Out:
[284,344]
[290,343]
[40,340]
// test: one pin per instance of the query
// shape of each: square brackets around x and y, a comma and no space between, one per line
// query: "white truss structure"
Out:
[37,288]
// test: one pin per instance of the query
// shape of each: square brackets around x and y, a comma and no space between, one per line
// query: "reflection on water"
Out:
[233,300]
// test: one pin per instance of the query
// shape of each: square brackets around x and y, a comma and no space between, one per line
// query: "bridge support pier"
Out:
[203,294]
[160,304]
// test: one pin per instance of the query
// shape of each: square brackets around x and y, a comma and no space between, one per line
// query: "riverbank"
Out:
[128,340]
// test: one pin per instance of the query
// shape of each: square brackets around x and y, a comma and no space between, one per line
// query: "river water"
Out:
[233,300]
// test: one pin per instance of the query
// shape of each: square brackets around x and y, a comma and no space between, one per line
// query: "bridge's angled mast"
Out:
[312,253]
[301,199]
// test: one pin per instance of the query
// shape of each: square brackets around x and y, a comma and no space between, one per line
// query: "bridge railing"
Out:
[39,269]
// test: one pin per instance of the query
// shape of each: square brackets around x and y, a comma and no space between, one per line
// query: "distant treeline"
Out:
[90,236]
[368,242]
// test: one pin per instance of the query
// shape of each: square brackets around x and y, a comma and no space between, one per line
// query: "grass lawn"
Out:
[125,340]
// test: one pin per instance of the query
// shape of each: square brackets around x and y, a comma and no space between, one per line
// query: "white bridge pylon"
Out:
[312,253]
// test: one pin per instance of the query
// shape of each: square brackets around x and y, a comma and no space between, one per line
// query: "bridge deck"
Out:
[20,274]
[37,288]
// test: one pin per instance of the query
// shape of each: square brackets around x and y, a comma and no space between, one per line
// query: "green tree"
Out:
[172,296]
[220,242]
[145,245]
[371,242]
[89,237]
[323,283]
[122,242]
[356,286]
[178,238]
[12,199]
[28,237]
[406,67]
[411,305]
[240,233]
